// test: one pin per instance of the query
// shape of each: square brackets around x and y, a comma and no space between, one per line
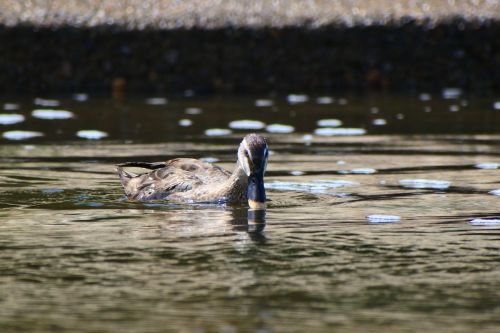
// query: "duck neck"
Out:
[236,186]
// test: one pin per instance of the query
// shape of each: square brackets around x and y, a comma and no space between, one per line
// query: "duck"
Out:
[188,180]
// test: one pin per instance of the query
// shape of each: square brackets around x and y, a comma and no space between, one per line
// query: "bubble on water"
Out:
[156,101]
[379,122]
[424,97]
[185,122]
[280,128]
[451,93]
[329,123]
[307,137]
[247,124]
[339,131]
[425,183]
[381,219]
[400,116]
[315,186]
[296,173]
[365,171]
[324,100]
[487,165]
[427,109]
[342,101]
[193,111]
[495,192]
[80,97]
[454,108]
[21,135]
[11,106]
[297,98]
[91,134]
[209,159]
[46,102]
[264,103]
[485,221]
[51,114]
[374,110]
[217,132]
[11,118]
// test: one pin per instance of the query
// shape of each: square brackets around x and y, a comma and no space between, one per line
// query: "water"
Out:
[339,250]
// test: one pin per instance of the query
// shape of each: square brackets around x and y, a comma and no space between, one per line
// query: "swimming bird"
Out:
[191,180]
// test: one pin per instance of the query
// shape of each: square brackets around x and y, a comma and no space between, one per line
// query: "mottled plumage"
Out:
[191,180]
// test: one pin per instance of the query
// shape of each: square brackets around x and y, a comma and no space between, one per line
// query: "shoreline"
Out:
[408,57]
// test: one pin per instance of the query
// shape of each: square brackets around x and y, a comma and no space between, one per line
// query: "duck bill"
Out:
[256,192]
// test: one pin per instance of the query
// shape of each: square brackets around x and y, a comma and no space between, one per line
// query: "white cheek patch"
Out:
[245,145]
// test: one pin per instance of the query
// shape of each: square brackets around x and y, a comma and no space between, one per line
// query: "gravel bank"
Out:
[173,14]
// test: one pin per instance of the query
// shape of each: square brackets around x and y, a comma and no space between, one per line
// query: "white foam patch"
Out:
[325,100]
[280,128]
[481,221]
[380,218]
[12,118]
[46,102]
[21,135]
[80,97]
[451,93]
[193,111]
[365,171]
[425,183]
[424,97]
[156,101]
[185,122]
[487,165]
[495,192]
[247,124]
[51,114]
[339,131]
[297,98]
[11,106]
[217,132]
[329,123]
[264,103]
[315,186]
[379,122]
[91,134]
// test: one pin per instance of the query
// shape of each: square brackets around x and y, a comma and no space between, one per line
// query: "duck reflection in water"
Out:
[193,181]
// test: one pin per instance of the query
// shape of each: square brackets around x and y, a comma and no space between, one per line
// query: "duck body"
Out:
[191,180]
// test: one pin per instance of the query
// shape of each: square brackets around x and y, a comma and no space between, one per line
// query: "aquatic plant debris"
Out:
[21,135]
[51,114]
[217,132]
[380,218]
[11,118]
[247,124]
[425,183]
[91,134]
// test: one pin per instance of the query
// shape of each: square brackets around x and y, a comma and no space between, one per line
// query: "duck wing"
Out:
[178,175]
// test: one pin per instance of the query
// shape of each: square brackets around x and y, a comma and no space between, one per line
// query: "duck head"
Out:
[252,158]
